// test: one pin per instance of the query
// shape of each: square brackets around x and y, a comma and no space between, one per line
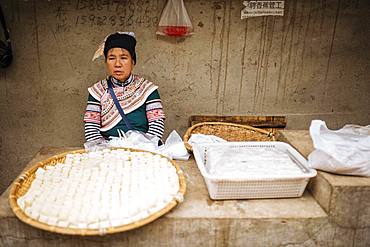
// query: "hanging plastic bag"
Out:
[175,20]
[344,151]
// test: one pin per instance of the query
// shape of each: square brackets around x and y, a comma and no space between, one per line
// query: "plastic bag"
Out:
[174,147]
[136,139]
[201,138]
[175,20]
[96,145]
[344,151]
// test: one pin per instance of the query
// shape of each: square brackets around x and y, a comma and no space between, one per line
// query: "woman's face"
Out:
[119,63]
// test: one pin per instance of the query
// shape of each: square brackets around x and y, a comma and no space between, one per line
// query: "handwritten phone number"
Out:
[116,5]
[114,20]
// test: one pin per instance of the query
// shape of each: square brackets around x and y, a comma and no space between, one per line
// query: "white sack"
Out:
[343,151]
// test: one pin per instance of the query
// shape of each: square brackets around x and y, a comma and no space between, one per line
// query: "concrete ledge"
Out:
[198,220]
[346,199]
[336,215]
[185,232]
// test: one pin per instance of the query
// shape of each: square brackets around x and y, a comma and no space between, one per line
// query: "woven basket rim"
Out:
[85,231]
[190,130]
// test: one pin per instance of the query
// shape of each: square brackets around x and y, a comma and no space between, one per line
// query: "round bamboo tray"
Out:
[24,181]
[228,131]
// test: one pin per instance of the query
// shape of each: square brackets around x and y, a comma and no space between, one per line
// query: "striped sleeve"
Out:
[156,128]
[155,115]
[92,119]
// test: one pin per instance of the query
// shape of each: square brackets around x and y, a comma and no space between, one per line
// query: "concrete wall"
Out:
[311,63]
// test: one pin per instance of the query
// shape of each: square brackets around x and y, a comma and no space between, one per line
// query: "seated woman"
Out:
[138,98]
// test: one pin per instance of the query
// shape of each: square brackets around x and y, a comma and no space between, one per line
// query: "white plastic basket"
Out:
[267,185]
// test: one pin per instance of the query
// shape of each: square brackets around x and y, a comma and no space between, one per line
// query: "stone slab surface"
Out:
[197,203]
[204,222]
[301,140]
[345,198]
[186,232]
[197,220]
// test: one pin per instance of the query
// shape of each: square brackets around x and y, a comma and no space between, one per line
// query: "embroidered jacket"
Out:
[139,100]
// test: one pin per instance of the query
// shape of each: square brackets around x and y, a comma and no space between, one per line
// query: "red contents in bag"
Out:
[175,30]
[175,20]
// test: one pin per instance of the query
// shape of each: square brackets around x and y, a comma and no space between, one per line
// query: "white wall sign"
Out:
[262,8]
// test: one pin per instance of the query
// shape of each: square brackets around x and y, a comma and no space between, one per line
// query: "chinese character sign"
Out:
[262,8]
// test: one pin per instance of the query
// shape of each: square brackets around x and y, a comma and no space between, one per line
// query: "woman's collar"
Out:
[120,83]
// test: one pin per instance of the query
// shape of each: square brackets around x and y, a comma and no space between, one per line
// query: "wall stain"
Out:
[61,51]
[221,56]
[15,11]
[286,48]
[264,64]
[175,67]
[331,49]
[304,43]
[37,34]
[226,58]
[266,40]
[259,66]
[291,27]
[265,73]
[242,63]
[70,63]
[296,69]
[255,92]
[284,32]
[12,10]
[6,91]
[212,46]
[322,20]
[314,33]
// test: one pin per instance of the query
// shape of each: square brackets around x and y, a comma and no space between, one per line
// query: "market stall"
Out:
[202,221]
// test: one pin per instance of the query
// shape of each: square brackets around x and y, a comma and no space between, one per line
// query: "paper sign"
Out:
[262,8]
